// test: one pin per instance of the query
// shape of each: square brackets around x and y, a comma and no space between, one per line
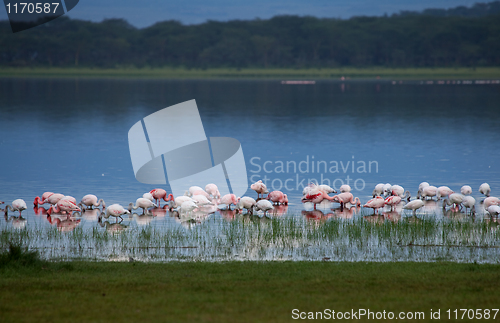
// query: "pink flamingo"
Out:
[39,201]
[90,200]
[346,197]
[393,200]
[260,188]
[229,199]
[159,194]
[315,196]
[277,197]
[443,191]
[491,200]
[375,203]
[64,205]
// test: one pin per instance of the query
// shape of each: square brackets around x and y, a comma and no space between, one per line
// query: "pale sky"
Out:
[145,13]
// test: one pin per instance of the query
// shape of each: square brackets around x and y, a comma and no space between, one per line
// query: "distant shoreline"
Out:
[340,74]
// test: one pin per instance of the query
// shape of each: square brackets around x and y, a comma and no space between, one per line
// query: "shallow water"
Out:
[70,136]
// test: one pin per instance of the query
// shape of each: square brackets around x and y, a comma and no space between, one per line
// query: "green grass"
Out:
[287,238]
[256,73]
[235,291]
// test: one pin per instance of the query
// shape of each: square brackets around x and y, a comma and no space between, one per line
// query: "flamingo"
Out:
[188,206]
[51,199]
[315,196]
[192,189]
[327,189]
[490,201]
[387,189]
[148,196]
[17,205]
[264,205]
[443,191]
[466,190]
[277,197]
[115,210]
[202,193]
[375,203]
[344,189]
[378,190]
[427,191]
[398,190]
[143,203]
[260,188]
[455,199]
[392,201]
[90,200]
[469,202]
[422,185]
[229,199]
[64,205]
[201,200]
[179,200]
[159,193]
[494,210]
[246,203]
[485,189]
[39,201]
[213,190]
[414,205]
[346,197]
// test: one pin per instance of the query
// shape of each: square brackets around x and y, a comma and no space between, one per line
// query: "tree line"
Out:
[401,40]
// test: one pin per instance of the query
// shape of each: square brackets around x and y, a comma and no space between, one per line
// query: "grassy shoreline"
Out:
[34,291]
[382,74]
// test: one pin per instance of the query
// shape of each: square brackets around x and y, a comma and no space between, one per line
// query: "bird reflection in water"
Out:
[91,214]
[115,227]
[280,210]
[143,219]
[39,210]
[160,212]
[345,212]
[393,216]
[17,222]
[63,222]
[374,219]
[228,214]
[316,215]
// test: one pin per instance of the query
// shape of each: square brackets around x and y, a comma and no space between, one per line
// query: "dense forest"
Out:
[432,38]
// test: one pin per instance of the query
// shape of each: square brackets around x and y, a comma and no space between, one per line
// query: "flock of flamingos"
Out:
[209,199]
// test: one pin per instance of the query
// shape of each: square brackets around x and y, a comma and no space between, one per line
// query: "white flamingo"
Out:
[378,190]
[64,205]
[485,189]
[17,205]
[142,203]
[414,205]
[443,191]
[264,205]
[247,203]
[466,190]
[469,203]
[115,210]
[344,189]
[427,191]
[90,200]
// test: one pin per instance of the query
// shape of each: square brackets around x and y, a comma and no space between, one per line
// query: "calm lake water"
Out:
[71,136]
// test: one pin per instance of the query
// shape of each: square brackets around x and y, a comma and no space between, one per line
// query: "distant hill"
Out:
[477,10]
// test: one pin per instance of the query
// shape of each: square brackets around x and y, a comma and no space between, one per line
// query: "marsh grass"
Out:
[258,73]
[287,238]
